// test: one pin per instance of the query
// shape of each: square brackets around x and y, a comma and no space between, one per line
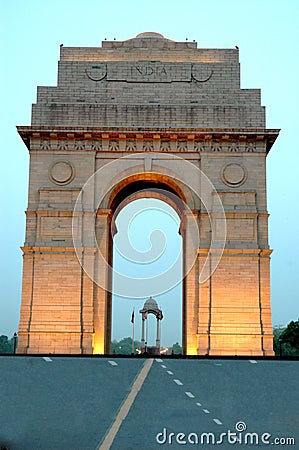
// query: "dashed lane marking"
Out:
[189,394]
[178,382]
[126,406]
[252,361]
[159,360]
[47,359]
[217,421]
[113,363]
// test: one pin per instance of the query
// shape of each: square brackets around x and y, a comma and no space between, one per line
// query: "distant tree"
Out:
[276,343]
[291,334]
[124,346]
[284,340]
[6,345]
[176,349]
[114,344]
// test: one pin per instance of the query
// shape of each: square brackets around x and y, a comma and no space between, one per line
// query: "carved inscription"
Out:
[152,72]
[148,71]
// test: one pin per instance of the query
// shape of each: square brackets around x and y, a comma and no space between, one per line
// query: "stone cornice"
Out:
[151,136]
[62,250]
[234,252]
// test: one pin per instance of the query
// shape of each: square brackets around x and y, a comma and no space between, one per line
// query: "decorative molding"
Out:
[139,144]
[113,145]
[182,146]
[233,174]
[61,172]
[96,72]
[62,145]
[148,145]
[233,147]
[96,145]
[79,145]
[131,141]
[216,147]
[45,144]
[250,147]
[164,146]
[266,137]
[199,147]
[201,73]
[131,146]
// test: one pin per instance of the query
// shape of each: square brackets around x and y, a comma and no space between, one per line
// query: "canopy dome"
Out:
[150,34]
[151,304]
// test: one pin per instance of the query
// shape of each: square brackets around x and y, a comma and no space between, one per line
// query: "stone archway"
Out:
[156,111]
[146,185]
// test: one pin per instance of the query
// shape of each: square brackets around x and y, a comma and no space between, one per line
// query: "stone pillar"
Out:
[51,320]
[265,306]
[27,296]
[103,279]
[204,305]
[158,335]
[142,335]
[87,299]
[190,282]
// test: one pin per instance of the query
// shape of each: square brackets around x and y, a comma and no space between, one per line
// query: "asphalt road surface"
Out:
[69,403]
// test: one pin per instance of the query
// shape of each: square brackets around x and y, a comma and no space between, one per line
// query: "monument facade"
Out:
[138,112]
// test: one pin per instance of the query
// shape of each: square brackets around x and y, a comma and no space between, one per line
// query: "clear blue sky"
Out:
[267,34]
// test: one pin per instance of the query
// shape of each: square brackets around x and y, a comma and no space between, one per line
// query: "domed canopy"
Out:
[150,34]
[151,304]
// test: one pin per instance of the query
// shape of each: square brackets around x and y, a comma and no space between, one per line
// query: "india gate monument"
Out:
[147,117]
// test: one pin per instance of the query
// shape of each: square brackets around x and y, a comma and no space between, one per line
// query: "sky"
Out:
[267,34]
[148,255]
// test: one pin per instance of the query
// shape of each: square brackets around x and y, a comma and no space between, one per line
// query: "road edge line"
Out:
[126,406]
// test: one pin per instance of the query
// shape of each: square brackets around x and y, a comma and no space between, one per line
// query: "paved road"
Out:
[72,403]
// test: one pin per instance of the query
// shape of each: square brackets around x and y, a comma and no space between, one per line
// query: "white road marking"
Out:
[178,382]
[198,404]
[159,360]
[47,359]
[218,364]
[169,372]
[113,363]
[162,365]
[253,361]
[217,421]
[189,394]
[125,408]
[206,411]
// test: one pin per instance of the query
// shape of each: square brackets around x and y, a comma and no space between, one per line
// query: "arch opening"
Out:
[133,188]
[150,213]
[146,243]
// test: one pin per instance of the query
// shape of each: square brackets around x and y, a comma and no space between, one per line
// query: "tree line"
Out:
[286,340]
[286,343]
[7,346]
[124,347]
